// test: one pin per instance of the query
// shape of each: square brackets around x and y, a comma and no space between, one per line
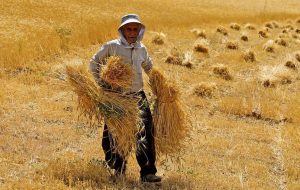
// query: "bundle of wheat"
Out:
[232,45]
[199,33]
[249,56]
[159,38]
[250,26]
[222,30]
[120,112]
[201,46]
[169,117]
[117,74]
[281,42]
[244,37]
[235,26]
[269,46]
[205,90]
[263,34]
[222,71]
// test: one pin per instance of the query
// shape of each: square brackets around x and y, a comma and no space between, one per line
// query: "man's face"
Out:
[131,31]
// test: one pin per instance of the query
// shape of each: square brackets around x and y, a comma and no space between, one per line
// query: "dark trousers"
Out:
[145,153]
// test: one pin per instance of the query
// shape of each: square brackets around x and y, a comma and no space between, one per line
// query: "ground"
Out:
[244,131]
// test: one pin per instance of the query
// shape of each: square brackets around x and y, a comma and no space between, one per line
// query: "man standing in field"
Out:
[132,51]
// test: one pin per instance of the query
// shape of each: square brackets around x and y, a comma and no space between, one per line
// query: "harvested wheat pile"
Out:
[232,45]
[275,24]
[222,30]
[158,38]
[250,26]
[120,112]
[290,64]
[271,76]
[289,27]
[298,21]
[170,119]
[297,31]
[281,42]
[201,46]
[297,55]
[249,56]
[222,71]
[244,37]
[269,25]
[174,57]
[117,74]
[235,26]
[199,33]
[205,90]
[269,46]
[285,31]
[188,60]
[263,34]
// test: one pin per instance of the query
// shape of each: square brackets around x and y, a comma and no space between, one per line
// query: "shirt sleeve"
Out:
[97,61]
[147,64]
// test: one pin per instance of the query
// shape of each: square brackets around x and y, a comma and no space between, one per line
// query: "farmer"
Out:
[132,51]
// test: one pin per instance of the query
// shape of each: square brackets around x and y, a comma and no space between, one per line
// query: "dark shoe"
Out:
[151,178]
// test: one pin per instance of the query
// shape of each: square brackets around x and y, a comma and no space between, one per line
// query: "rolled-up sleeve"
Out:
[147,64]
[97,61]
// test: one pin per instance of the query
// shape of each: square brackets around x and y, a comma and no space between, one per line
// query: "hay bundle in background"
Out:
[222,71]
[232,45]
[222,30]
[205,90]
[188,60]
[249,56]
[244,37]
[117,74]
[159,38]
[281,42]
[250,26]
[199,33]
[263,34]
[169,117]
[269,46]
[120,112]
[235,26]
[269,25]
[201,46]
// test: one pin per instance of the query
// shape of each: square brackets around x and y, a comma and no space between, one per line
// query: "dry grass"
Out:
[249,56]
[222,71]
[169,117]
[247,132]
[117,74]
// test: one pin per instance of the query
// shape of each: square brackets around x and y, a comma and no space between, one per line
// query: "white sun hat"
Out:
[130,18]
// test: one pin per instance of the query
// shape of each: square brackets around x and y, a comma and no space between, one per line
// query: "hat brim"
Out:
[131,20]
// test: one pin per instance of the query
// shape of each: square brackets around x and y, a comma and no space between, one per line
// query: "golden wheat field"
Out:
[237,66]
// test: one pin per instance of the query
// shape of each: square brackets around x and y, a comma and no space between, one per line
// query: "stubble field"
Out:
[241,90]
